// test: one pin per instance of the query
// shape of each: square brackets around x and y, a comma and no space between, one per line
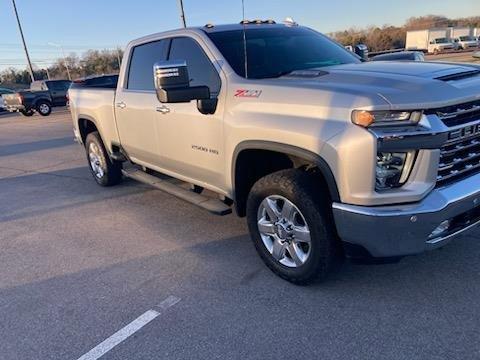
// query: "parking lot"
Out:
[79,263]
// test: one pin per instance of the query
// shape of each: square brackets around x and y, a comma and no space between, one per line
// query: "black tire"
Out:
[299,188]
[111,173]
[27,113]
[44,108]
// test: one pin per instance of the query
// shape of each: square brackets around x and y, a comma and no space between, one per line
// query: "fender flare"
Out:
[89,118]
[289,150]
[41,98]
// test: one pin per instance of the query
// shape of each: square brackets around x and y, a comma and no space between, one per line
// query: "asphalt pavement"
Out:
[129,272]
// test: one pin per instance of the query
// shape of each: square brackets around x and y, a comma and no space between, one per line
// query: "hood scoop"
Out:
[308,73]
[459,76]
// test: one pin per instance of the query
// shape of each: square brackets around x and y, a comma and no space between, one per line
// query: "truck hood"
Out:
[410,84]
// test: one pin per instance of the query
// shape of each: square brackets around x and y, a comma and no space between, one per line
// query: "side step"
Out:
[213,205]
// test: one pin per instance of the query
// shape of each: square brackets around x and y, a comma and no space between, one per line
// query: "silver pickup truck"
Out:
[327,156]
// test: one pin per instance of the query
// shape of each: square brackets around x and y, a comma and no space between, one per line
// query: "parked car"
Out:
[324,154]
[42,97]
[400,56]
[4,91]
[465,42]
[440,45]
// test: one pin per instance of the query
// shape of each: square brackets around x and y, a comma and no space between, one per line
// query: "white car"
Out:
[4,91]
[465,42]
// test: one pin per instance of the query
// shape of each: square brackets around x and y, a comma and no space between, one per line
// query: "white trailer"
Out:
[462,31]
[431,40]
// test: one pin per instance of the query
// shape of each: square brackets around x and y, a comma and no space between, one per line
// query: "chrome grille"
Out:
[460,156]
[460,114]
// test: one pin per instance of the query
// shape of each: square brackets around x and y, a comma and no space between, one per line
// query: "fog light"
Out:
[392,169]
[440,229]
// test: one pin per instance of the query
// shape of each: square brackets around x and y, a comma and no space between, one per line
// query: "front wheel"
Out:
[27,113]
[291,226]
[105,171]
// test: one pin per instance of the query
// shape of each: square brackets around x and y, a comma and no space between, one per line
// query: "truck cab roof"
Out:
[211,28]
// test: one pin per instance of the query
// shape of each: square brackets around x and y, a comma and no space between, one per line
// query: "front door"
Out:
[191,143]
[136,103]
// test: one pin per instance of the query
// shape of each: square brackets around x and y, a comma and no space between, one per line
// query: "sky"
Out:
[98,24]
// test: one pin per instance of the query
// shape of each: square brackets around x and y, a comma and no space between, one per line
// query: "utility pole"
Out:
[30,69]
[118,59]
[182,13]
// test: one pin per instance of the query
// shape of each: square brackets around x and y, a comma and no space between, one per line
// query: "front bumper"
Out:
[399,230]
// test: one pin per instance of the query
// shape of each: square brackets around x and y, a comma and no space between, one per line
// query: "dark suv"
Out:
[42,96]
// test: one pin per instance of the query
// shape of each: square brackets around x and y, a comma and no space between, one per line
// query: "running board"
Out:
[216,207]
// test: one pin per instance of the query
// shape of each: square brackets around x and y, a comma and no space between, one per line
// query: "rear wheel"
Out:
[27,113]
[105,171]
[44,108]
[291,227]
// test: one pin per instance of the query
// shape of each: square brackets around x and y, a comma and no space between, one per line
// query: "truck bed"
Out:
[89,103]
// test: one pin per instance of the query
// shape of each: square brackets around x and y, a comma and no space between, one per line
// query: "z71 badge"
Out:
[248,93]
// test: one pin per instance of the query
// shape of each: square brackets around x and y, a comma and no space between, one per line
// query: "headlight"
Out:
[385,118]
[393,169]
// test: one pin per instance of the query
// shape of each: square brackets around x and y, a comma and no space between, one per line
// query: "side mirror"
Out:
[172,83]
[362,51]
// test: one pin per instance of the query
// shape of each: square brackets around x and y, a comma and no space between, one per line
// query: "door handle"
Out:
[163,109]
[121,105]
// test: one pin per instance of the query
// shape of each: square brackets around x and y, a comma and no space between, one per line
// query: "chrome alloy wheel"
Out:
[95,158]
[284,231]
[44,108]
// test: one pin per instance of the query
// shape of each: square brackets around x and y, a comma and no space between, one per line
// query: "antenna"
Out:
[244,39]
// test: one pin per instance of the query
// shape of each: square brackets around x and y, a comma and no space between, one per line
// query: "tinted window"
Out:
[274,51]
[200,68]
[106,81]
[140,75]
[58,85]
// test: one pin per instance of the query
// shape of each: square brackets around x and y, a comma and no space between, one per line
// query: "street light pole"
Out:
[118,59]
[30,69]
[182,13]
[64,58]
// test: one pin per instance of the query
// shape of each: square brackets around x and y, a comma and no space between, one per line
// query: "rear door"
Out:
[58,91]
[136,103]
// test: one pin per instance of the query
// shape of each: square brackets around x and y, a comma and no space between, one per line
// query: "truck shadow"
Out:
[43,193]
[219,277]
[22,148]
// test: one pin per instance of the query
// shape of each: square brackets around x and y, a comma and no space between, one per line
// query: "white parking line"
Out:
[128,330]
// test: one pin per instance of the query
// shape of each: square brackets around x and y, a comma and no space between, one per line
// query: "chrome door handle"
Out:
[121,105]
[163,109]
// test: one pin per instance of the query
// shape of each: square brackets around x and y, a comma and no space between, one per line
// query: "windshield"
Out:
[273,52]
[466,38]
[441,40]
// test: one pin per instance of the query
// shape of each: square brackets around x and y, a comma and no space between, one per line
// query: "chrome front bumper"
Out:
[398,230]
